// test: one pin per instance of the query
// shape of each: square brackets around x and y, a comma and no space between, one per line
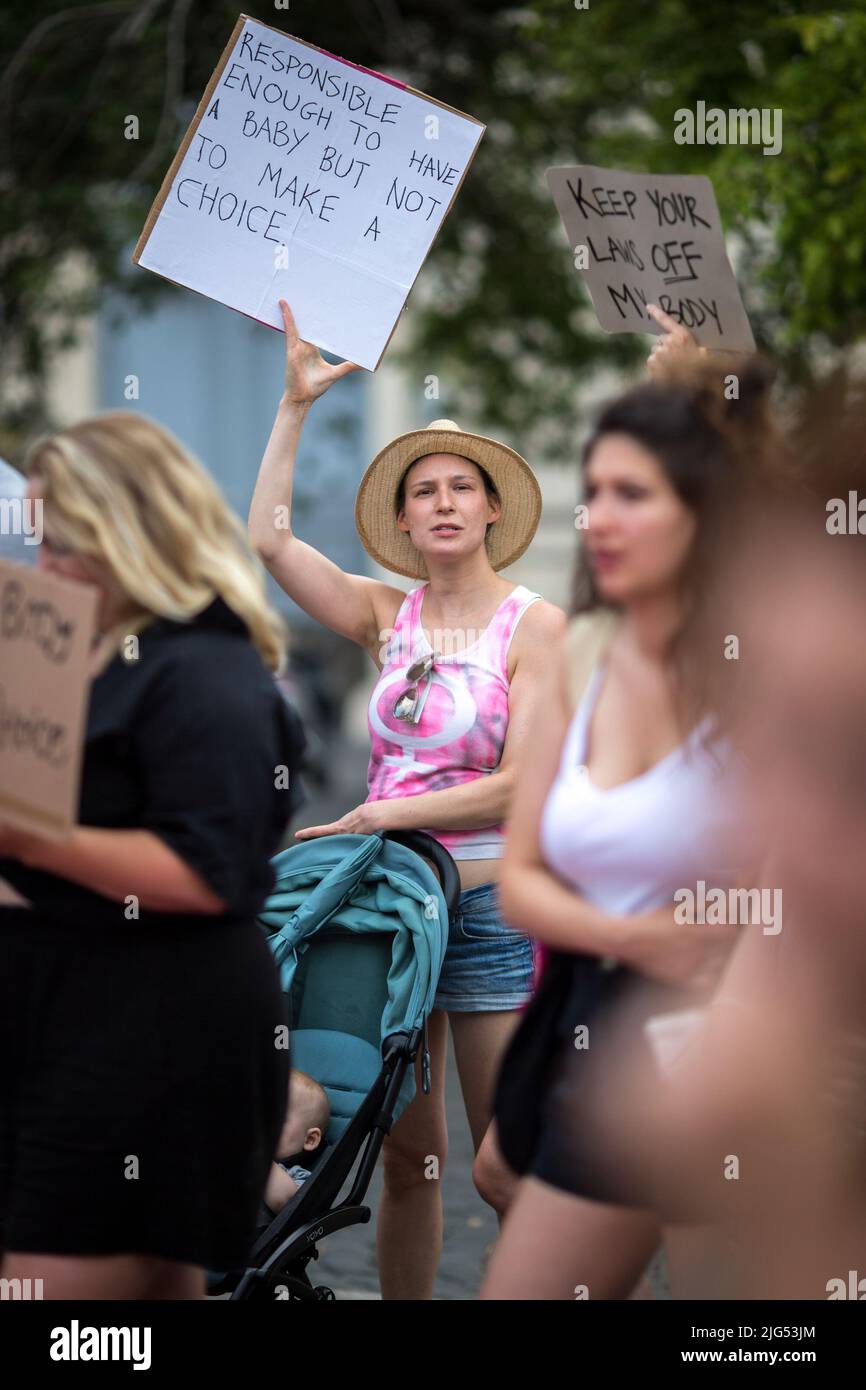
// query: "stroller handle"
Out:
[425,845]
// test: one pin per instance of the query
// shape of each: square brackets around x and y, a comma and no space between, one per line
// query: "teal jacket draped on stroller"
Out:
[358,925]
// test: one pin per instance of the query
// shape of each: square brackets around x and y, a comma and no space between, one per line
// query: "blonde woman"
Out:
[142,1090]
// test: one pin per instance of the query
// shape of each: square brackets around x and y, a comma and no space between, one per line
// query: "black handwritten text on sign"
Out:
[46,627]
[642,239]
[305,177]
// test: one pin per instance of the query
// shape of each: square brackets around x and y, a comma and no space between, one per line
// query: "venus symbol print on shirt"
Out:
[449,712]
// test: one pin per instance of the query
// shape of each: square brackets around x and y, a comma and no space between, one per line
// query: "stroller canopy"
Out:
[370,885]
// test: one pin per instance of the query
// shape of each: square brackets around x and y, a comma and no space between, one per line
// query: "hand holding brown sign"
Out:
[642,239]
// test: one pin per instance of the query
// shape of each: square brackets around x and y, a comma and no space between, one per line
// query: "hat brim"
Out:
[375,515]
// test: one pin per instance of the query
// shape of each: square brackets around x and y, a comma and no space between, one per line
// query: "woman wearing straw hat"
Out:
[459,657]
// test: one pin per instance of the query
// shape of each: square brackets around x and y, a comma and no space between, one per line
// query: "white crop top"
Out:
[628,848]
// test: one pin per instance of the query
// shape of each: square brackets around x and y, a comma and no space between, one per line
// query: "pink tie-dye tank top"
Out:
[463,719]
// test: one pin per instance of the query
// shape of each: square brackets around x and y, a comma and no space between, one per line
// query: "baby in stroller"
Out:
[302,1141]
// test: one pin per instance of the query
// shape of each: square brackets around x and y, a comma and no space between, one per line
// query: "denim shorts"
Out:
[488,965]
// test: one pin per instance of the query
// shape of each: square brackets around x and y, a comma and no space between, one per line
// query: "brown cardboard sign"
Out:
[46,631]
[642,239]
[305,177]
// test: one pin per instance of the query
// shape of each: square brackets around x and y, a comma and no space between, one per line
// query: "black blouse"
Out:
[193,742]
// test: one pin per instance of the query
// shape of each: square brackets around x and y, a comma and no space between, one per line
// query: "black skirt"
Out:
[142,1087]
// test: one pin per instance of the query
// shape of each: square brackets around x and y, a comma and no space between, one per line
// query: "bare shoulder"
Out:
[540,629]
[386,601]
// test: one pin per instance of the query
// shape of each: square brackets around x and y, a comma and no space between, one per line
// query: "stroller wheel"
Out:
[325,1294]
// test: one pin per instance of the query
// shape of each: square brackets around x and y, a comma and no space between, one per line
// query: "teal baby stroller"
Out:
[359,926]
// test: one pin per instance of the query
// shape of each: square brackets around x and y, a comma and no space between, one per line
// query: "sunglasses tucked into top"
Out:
[461,733]
[411,702]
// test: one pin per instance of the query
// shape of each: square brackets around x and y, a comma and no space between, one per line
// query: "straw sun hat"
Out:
[376,503]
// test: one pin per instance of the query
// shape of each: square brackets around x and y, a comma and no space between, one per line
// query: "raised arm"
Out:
[352,605]
[677,343]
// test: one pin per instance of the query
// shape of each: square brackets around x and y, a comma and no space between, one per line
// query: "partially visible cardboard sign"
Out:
[641,239]
[307,178]
[46,630]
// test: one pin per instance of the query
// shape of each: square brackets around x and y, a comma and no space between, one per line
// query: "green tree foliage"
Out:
[501,318]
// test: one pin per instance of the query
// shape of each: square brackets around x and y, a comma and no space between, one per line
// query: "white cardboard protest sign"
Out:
[643,239]
[46,630]
[307,178]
